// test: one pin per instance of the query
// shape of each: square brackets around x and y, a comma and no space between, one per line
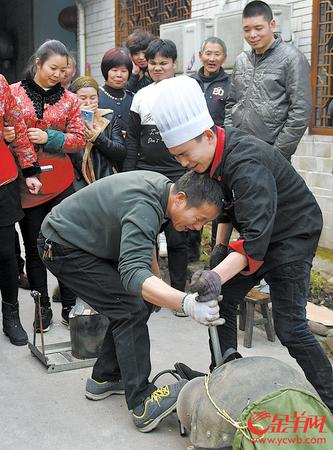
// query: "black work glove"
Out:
[207,284]
[219,253]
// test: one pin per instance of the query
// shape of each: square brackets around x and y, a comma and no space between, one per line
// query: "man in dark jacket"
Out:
[268,203]
[100,241]
[213,80]
[215,83]
[270,92]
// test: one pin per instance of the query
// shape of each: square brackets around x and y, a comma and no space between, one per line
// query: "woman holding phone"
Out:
[105,149]
[14,132]
[55,128]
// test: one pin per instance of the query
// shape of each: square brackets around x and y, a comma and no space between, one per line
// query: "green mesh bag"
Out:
[290,418]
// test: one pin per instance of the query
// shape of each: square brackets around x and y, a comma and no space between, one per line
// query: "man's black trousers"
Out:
[126,349]
[289,285]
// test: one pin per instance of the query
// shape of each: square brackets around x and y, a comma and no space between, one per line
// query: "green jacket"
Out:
[116,218]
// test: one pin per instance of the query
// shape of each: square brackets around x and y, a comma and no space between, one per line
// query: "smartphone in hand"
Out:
[88,117]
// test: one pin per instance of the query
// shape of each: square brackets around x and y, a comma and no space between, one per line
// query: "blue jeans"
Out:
[289,285]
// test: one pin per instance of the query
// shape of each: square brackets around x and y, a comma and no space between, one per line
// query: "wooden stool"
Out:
[247,320]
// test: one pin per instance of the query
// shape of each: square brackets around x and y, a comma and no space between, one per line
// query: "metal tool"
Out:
[214,337]
[38,315]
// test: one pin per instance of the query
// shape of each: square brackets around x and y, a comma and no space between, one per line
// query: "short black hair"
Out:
[214,40]
[116,57]
[164,47]
[138,41]
[258,8]
[199,188]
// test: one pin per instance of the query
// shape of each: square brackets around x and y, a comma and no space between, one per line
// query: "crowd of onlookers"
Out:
[48,130]
[78,132]
[60,133]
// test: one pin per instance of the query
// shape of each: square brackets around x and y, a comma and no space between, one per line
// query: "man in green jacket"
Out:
[100,242]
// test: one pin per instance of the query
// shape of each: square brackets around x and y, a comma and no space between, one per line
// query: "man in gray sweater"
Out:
[100,242]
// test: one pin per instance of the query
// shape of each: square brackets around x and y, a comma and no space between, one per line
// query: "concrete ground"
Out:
[42,411]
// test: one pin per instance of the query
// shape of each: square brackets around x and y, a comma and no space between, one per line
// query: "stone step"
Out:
[313,163]
[325,203]
[326,238]
[322,149]
[317,179]
[322,192]
[318,146]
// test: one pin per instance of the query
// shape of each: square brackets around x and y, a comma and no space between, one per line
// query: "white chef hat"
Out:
[180,110]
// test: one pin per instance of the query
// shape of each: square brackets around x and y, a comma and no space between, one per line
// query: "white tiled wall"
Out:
[100,32]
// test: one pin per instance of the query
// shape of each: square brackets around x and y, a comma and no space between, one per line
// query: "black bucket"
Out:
[87,335]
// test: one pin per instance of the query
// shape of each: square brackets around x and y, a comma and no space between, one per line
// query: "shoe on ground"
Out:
[12,326]
[99,390]
[46,319]
[157,406]
[23,281]
[65,315]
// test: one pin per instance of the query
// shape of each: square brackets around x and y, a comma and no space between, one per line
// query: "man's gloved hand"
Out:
[207,284]
[207,313]
[219,253]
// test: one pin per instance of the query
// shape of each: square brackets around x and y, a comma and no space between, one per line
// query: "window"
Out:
[147,15]
[322,67]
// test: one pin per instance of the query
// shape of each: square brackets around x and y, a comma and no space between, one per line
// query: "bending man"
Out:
[100,242]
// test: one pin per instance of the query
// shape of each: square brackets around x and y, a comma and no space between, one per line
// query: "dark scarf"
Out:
[39,96]
[210,77]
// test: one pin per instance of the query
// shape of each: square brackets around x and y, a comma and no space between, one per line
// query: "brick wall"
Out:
[314,161]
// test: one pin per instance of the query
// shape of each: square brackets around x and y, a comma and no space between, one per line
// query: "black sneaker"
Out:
[12,326]
[99,390]
[157,406]
[46,319]
[65,315]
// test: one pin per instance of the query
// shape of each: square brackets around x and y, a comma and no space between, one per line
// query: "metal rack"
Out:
[55,357]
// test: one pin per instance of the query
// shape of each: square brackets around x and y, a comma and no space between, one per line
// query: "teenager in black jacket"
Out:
[212,79]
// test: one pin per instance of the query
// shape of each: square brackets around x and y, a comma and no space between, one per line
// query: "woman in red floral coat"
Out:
[12,129]
[56,128]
